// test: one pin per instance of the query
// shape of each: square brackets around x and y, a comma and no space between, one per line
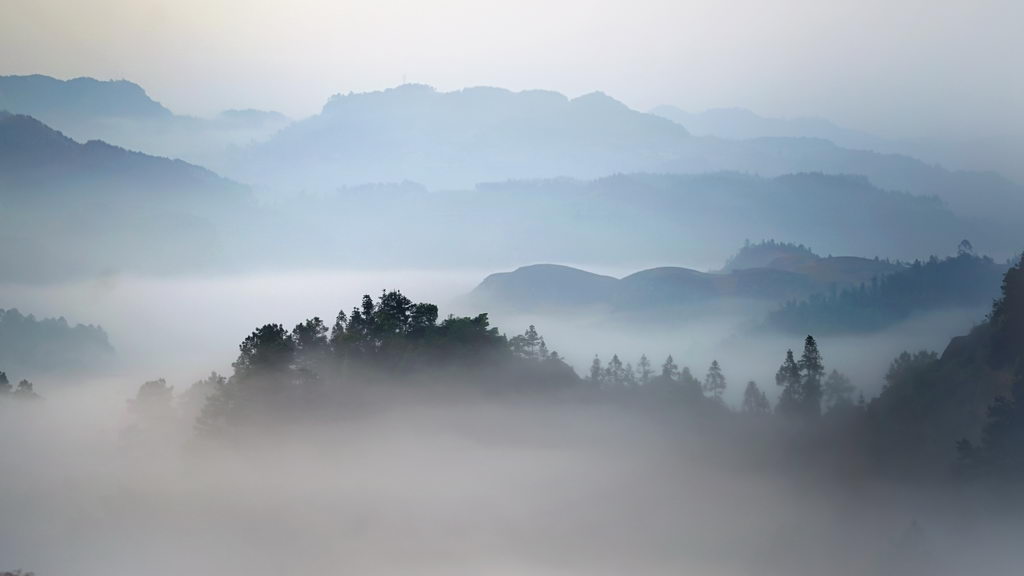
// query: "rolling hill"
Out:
[552,287]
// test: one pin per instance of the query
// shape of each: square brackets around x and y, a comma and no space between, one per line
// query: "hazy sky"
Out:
[904,68]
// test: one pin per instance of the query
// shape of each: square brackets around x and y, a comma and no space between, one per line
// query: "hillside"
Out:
[933,402]
[94,208]
[550,287]
[963,281]
[39,162]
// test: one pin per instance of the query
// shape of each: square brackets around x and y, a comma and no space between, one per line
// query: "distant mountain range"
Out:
[743,124]
[88,208]
[455,140]
[627,220]
[996,154]
[120,112]
[797,273]
[84,209]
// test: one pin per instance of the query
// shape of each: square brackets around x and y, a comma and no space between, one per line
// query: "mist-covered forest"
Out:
[548,288]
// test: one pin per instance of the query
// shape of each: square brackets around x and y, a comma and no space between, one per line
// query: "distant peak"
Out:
[598,99]
[41,95]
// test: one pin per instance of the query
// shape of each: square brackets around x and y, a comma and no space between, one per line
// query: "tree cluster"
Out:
[962,280]
[23,391]
[390,339]
[35,344]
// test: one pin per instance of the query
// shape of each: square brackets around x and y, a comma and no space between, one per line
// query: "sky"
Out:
[899,68]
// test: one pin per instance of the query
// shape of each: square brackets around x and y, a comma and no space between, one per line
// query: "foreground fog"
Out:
[461,486]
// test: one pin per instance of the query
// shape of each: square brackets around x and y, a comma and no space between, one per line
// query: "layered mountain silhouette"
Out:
[120,112]
[551,287]
[628,220]
[743,124]
[458,139]
[88,208]
[38,164]
[71,194]
[73,208]
[998,153]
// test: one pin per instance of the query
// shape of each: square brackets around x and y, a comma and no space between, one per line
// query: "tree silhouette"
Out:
[1007,318]
[789,378]
[153,405]
[529,345]
[644,371]
[755,401]
[596,375]
[615,373]
[838,391]
[813,370]
[25,391]
[268,348]
[689,384]
[714,381]
[1000,453]
[669,369]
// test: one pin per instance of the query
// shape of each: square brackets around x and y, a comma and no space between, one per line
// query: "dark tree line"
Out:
[999,451]
[962,280]
[38,344]
[387,340]
[805,390]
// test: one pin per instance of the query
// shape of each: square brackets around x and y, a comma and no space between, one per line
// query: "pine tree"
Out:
[644,371]
[689,384]
[669,370]
[529,345]
[813,370]
[614,374]
[755,401]
[838,391]
[596,373]
[788,377]
[629,376]
[5,384]
[714,381]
